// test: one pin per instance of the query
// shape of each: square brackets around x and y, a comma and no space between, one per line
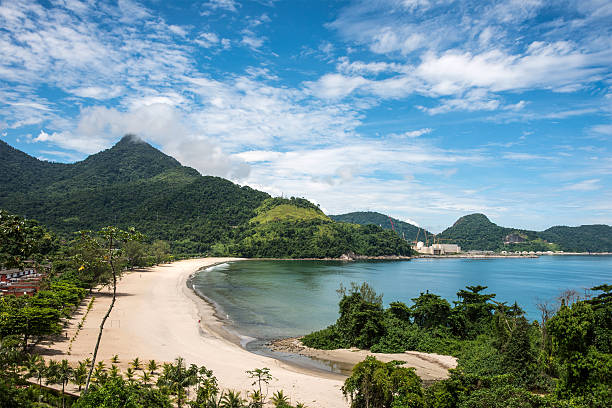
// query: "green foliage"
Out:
[477,232]
[430,310]
[22,240]
[118,393]
[374,384]
[586,372]
[296,228]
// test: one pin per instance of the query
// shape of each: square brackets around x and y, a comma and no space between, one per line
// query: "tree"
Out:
[361,316]
[79,376]
[117,393]
[177,377]
[21,240]
[430,310]
[108,242]
[374,384]
[160,250]
[261,375]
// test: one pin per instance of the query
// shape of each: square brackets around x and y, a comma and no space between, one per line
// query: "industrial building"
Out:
[437,249]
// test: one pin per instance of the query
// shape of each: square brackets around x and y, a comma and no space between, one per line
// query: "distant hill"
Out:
[403,229]
[296,228]
[477,232]
[134,184]
[589,238]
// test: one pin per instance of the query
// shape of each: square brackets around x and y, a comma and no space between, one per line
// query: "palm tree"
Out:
[152,366]
[135,363]
[145,377]
[115,359]
[129,373]
[63,374]
[232,399]
[79,376]
[280,400]
[177,378]
[114,372]
[36,368]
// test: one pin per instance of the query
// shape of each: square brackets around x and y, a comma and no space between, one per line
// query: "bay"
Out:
[271,299]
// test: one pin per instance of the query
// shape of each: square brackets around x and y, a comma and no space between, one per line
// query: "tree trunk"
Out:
[110,308]
[63,397]
[95,353]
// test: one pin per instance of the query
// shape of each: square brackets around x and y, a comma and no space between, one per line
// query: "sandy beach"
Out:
[157,316]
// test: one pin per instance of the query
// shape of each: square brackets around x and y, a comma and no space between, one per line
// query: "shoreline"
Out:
[338,363]
[158,317]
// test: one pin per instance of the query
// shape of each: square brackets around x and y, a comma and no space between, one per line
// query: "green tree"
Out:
[430,310]
[361,316]
[374,384]
[261,376]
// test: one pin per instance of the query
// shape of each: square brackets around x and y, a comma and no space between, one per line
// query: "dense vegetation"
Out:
[477,232]
[504,360]
[296,228]
[403,229]
[92,260]
[135,185]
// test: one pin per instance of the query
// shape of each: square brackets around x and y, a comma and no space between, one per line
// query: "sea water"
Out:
[272,299]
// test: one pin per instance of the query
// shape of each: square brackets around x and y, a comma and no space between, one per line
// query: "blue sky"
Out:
[422,109]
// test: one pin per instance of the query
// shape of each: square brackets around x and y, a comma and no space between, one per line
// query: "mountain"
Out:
[134,184]
[585,238]
[130,184]
[477,232]
[296,228]
[403,229]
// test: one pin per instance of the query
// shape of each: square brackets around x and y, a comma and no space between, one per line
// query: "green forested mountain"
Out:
[477,232]
[131,184]
[134,184]
[590,238]
[403,229]
[296,228]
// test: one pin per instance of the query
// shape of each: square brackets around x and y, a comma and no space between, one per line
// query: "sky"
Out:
[425,110]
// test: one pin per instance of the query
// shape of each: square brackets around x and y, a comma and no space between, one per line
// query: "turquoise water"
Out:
[269,299]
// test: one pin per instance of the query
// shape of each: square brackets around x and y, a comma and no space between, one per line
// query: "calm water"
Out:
[267,299]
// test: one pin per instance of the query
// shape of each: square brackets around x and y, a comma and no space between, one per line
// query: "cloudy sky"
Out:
[422,109]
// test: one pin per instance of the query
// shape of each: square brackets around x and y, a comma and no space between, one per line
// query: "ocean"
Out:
[271,299]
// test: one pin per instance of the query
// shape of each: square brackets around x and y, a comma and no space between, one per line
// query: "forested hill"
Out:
[130,184]
[134,184]
[477,232]
[402,228]
[296,228]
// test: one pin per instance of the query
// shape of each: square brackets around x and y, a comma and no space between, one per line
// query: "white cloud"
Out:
[336,86]
[228,5]
[414,133]
[586,185]
[251,40]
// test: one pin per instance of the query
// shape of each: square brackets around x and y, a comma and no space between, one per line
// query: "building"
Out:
[21,282]
[437,249]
